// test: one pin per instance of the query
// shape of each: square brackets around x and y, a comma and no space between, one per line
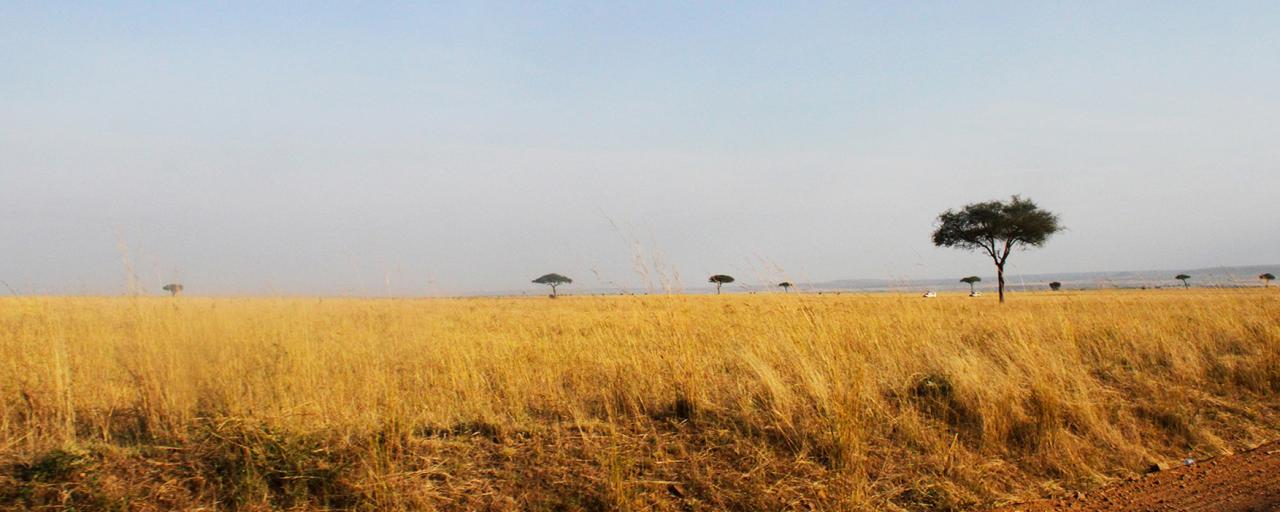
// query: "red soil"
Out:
[1248,481]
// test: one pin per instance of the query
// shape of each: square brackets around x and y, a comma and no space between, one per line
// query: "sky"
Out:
[418,148]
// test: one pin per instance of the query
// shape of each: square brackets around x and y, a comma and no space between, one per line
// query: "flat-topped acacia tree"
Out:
[970,281]
[786,286]
[174,289]
[996,228]
[1267,278]
[1183,278]
[720,280]
[553,280]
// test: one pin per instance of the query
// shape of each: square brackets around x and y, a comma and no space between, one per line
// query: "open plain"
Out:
[741,402]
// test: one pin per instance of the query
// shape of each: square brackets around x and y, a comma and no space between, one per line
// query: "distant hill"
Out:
[1216,277]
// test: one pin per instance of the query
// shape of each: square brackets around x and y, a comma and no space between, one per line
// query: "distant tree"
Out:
[996,228]
[1183,278]
[970,281]
[553,280]
[1055,286]
[720,280]
[174,289]
[1267,278]
[786,286]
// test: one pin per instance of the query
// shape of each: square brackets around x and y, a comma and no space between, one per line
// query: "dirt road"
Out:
[1248,481]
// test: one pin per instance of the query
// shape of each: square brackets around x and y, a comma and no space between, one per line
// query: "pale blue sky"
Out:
[333,148]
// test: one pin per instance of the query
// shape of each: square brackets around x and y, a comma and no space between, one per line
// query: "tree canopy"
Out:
[553,279]
[996,227]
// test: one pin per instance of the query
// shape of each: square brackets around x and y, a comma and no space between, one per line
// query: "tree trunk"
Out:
[553,291]
[718,288]
[970,288]
[1000,281]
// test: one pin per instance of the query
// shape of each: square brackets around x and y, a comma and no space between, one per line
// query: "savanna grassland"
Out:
[742,402]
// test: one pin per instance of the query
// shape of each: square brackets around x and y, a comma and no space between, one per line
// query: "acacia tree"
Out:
[1183,278]
[1267,278]
[1055,286]
[996,228]
[553,280]
[786,286]
[720,280]
[173,288]
[970,280]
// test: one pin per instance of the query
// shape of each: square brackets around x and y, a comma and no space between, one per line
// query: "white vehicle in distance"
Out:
[930,294]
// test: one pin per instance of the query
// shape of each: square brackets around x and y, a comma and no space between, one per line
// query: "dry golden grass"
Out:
[659,402]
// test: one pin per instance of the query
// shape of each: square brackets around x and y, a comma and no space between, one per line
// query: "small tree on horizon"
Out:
[1055,286]
[1183,278]
[1267,278]
[553,280]
[786,286]
[720,280]
[174,289]
[996,228]
[970,281]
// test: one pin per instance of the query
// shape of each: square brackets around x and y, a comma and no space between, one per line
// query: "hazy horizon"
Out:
[410,150]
